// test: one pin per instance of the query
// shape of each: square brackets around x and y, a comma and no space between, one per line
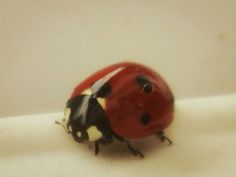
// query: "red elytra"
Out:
[127,102]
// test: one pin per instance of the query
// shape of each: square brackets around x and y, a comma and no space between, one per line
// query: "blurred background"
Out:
[49,46]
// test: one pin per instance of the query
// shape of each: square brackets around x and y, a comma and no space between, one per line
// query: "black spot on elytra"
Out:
[104,90]
[147,88]
[145,118]
[144,83]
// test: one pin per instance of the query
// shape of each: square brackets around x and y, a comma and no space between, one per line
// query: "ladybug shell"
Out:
[133,113]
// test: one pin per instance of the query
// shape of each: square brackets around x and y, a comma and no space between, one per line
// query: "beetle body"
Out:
[125,100]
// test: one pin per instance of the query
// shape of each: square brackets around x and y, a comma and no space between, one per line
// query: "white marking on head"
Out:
[79,134]
[87,92]
[93,133]
[67,113]
[65,120]
[102,102]
[70,128]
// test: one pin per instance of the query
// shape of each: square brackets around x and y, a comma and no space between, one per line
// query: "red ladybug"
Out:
[125,100]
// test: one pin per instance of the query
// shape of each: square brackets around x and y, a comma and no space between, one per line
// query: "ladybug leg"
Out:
[106,140]
[96,148]
[162,137]
[135,152]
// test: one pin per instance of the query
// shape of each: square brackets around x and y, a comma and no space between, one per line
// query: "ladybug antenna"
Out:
[63,125]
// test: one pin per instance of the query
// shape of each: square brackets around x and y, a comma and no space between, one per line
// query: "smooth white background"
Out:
[48,46]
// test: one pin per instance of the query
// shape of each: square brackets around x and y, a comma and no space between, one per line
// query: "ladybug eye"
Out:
[144,84]
[145,118]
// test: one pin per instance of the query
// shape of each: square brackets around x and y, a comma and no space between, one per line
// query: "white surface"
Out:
[48,46]
[203,133]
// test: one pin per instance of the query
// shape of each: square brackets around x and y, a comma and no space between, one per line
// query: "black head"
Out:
[85,116]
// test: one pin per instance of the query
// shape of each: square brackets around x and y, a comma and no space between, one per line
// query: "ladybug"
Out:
[120,102]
